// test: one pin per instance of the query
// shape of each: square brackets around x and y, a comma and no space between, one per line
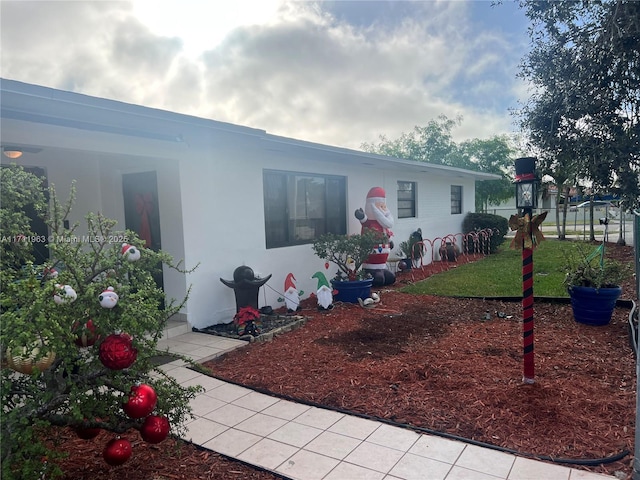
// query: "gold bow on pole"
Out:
[527,230]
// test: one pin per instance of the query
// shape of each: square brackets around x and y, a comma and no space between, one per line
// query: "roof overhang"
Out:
[104,121]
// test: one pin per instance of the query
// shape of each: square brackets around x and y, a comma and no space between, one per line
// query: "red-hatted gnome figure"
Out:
[377,217]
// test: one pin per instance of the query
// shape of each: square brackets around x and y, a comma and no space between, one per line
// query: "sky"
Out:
[335,72]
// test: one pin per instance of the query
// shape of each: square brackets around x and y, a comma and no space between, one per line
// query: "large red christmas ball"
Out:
[142,401]
[117,351]
[154,429]
[86,334]
[117,451]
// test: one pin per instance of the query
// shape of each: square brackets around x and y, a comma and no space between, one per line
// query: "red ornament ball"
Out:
[117,351]
[142,401]
[117,451]
[154,429]
[86,334]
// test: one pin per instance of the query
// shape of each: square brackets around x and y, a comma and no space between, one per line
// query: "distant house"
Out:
[216,194]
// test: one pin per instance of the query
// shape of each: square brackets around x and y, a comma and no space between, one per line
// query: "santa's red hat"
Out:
[376,192]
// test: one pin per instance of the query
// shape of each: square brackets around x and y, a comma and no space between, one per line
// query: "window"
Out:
[456,199]
[299,207]
[406,199]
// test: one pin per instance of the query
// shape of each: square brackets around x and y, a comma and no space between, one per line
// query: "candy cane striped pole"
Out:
[527,315]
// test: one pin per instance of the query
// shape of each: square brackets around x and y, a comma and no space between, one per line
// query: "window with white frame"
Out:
[456,199]
[300,207]
[406,199]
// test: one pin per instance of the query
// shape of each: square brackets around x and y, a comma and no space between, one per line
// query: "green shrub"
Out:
[77,389]
[499,226]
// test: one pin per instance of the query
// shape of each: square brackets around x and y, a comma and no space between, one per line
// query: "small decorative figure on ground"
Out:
[245,285]
[324,292]
[377,217]
[291,294]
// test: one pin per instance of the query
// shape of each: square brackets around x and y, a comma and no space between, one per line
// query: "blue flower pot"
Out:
[593,306]
[349,292]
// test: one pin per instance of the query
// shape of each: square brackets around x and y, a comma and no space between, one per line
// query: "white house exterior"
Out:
[211,179]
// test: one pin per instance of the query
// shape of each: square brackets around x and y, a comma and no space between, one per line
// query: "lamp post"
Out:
[526,200]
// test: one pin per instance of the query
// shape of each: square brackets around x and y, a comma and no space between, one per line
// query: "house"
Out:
[216,194]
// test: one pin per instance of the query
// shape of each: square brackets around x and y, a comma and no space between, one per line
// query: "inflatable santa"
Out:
[377,217]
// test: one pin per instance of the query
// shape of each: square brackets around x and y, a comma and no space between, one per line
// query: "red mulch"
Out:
[170,460]
[428,362]
[434,363]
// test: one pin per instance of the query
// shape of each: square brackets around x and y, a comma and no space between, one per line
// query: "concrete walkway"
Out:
[309,443]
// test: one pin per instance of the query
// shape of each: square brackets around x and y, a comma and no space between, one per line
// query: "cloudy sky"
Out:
[335,72]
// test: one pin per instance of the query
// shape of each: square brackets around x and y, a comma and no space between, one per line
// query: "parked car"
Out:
[612,210]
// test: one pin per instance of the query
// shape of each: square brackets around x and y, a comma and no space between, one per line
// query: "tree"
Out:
[434,144]
[84,363]
[584,114]
[492,155]
[20,190]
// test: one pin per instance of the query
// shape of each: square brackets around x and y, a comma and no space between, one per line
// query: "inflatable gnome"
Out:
[291,294]
[376,216]
[324,292]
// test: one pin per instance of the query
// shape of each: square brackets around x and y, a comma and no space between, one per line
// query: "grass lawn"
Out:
[501,274]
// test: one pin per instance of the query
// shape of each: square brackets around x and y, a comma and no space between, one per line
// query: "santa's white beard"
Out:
[383,218]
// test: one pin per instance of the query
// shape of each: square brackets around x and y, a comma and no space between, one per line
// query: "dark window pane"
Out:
[301,207]
[406,199]
[456,199]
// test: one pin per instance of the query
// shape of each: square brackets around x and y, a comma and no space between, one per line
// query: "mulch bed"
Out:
[437,364]
[428,362]
[172,459]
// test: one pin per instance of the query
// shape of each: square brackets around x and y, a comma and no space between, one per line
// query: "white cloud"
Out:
[319,72]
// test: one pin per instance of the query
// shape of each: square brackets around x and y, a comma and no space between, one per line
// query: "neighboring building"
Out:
[216,194]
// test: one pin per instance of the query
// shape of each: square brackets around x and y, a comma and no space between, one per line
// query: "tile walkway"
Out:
[309,443]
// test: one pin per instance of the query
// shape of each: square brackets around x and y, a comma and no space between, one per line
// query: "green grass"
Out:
[501,274]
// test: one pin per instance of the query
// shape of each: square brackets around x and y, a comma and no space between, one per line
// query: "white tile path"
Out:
[303,442]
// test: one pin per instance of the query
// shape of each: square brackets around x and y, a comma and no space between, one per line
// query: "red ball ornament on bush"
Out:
[154,429]
[86,334]
[117,351]
[117,451]
[142,401]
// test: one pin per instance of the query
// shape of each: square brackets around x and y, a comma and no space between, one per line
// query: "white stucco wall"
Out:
[210,188]
[224,221]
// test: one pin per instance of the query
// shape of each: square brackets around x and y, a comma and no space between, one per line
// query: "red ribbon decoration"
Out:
[144,203]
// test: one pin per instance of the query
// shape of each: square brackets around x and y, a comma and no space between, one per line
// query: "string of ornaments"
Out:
[115,352]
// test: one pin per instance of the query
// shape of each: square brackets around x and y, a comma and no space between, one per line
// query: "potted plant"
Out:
[411,250]
[593,283]
[405,256]
[348,252]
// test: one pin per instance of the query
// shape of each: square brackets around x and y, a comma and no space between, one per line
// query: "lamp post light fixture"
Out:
[526,184]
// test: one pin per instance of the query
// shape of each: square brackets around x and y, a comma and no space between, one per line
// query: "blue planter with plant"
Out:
[351,291]
[348,252]
[593,306]
[593,284]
